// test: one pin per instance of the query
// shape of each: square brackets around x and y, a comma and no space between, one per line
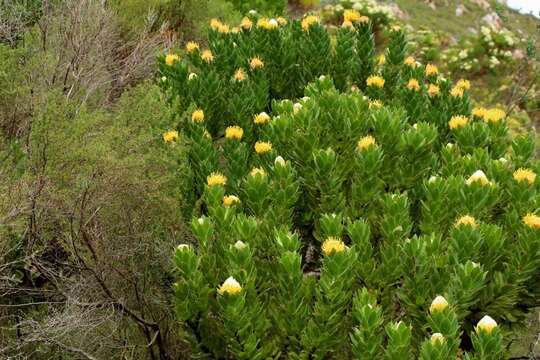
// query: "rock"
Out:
[492,19]
[398,12]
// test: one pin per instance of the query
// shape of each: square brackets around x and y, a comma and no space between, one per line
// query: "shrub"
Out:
[378,216]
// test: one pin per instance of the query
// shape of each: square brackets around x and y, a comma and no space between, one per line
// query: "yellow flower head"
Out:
[229,200]
[240,75]
[197,116]
[365,143]
[433,90]
[207,56]
[375,104]
[351,15]
[531,220]
[224,29]
[262,147]
[363,19]
[308,21]
[347,24]
[261,118]
[458,121]
[256,63]
[170,136]
[282,21]
[410,61]
[216,178]
[375,80]
[464,84]
[431,70]
[171,58]
[246,23]
[456,92]
[215,23]
[235,30]
[381,60]
[438,304]
[267,24]
[524,175]
[478,176]
[479,112]
[230,287]
[395,28]
[257,172]
[466,220]
[437,338]
[494,115]
[413,85]
[332,245]
[486,324]
[234,132]
[192,46]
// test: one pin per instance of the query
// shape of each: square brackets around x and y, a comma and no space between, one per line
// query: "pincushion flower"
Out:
[431,70]
[261,118]
[437,338]
[262,147]
[375,104]
[192,46]
[433,90]
[216,178]
[229,200]
[332,245]
[170,136]
[171,58]
[309,21]
[197,116]
[183,247]
[280,161]
[365,143]
[456,92]
[458,121]
[207,56]
[410,61]
[381,59]
[246,23]
[486,324]
[494,115]
[376,81]
[438,304]
[223,29]
[215,24]
[526,175]
[240,75]
[464,84]
[479,112]
[413,85]
[351,15]
[257,172]
[478,176]
[282,21]
[466,220]
[240,245]
[230,287]
[347,24]
[256,63]
[267,24]
[234,132]
[532,221]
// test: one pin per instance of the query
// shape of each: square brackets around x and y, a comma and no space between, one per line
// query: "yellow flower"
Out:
[458,121]
[223,29]
[431,70]
[257,172]
[524,175]
[171,58]
[170,136]
[410,61]
[332,245]
[216,178]
[308,21]
[192,46]
[375,80]
[207,56]
[437,338]
[366,142]
[381,60]
[363,19]
[234,132]
[433,90]
[246,23]
[478,176]
[197,116]
[267,24]
[215,24]
[494,115]
[351,15]
[256,63]
[375,104]
[262,147]
[479,112]
[229,200]
[464,84]
[486,324]
[395,28]
[230,286]
[282,21]
[347,24]
[466,220]
[235,30]
[531,220]
[261,118]
[456,92]
[239,75]
[413,85]
[438,304]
